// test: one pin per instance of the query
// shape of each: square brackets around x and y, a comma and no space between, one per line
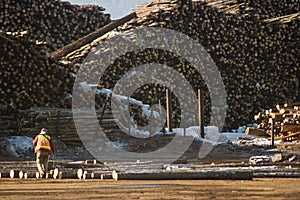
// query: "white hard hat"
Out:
[43,131]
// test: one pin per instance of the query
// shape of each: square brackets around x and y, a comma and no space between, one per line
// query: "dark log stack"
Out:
[30,78]
[286,121]
[254,44]
[53,21]
[29,31]
[61,124]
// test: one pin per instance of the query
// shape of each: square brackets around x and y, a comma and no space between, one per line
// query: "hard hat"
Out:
[43,131]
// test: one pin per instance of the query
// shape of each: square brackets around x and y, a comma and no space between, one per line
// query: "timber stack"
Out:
[30,30]
[56,23]
[61,122]
[253,43]
[285,119]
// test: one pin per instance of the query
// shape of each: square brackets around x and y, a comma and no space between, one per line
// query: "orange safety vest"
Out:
[43,143]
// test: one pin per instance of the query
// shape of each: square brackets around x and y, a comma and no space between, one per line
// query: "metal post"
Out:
[200,113]
[272,132]
[129,116]
[58,122]
[169,110]
[163,129]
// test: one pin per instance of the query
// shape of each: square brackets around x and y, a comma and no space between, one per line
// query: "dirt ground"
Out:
[171,189]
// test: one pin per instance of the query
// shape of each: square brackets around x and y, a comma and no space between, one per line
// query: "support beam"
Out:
[169,110]
[200,113]
[272,132]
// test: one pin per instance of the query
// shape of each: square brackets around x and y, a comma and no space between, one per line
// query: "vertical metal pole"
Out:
[169,110]
[163,129]
[200,113]
[58,122]
[128,116]
[272,132]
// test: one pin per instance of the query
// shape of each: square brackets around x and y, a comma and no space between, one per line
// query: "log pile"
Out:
[57,169]
[29,77]
[52,21]
[8,125]
[140,170]
[286,119]
[61,122]
[253,43]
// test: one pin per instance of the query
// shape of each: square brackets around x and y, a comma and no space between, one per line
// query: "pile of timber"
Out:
[285,119]
[8,125]
[253,43]
[52,21]
[60,123]
[30,76]
[139,170]
[57,169]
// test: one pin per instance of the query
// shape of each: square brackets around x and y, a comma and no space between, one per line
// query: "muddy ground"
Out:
[20,189]
[258,188]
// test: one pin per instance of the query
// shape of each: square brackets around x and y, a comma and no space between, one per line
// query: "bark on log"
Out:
[90,37]
[213,175]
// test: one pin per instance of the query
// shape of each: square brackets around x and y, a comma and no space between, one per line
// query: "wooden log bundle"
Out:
[55,22]
[253,43]
[286,121]
[60,122]
[29,78]
[31,29]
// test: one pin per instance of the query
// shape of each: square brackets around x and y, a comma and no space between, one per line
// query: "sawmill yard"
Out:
[176,189]
[247,116]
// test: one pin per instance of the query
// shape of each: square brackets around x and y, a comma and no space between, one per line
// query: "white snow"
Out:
[85,86]
[19,145]
[68,96]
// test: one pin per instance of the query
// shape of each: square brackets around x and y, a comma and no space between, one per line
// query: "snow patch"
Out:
[19,146]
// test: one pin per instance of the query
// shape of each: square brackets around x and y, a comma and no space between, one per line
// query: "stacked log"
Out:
[253,43]
[57,169]
[140,170]
[31,29]
[8,125]
[55,22]
[61,122]
[286,121]
[29,77]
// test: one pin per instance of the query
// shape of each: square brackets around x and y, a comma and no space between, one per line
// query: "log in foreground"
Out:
[212,175]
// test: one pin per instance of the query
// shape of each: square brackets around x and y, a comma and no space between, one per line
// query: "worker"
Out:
[43,148]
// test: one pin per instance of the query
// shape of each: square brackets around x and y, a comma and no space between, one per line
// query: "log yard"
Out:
[177,99]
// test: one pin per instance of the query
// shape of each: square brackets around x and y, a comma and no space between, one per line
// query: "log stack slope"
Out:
[253,43]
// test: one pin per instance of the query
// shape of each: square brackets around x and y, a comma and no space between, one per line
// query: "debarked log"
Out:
[194,175]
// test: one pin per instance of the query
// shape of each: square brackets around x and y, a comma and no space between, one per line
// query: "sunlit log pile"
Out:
[254,44]
[55,22]
[285,119]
